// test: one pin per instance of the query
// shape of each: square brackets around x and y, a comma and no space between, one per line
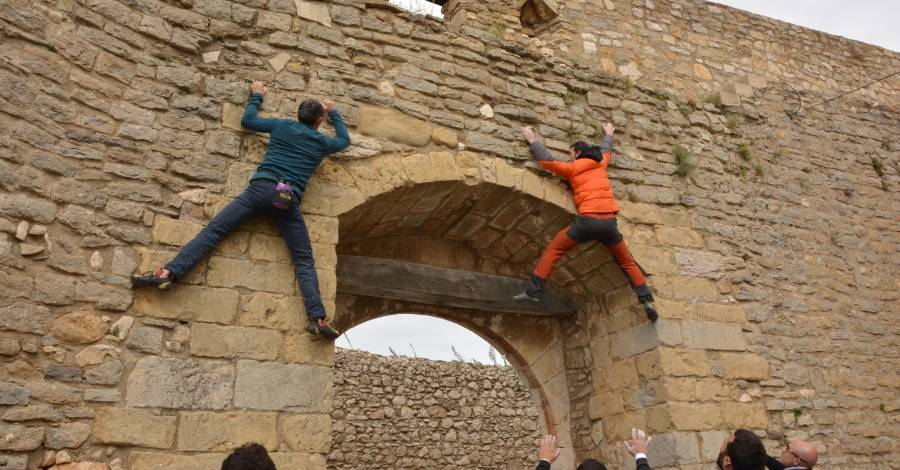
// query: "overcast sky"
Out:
[872,21]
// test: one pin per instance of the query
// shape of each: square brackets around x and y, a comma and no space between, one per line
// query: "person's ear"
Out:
[726,463]
[318,122]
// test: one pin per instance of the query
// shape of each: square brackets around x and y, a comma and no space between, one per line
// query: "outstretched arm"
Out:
[544,157]
[341,140]
[250,120]
[606,145]
[547,452]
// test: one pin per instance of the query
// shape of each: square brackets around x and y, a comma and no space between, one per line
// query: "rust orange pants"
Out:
[603,229]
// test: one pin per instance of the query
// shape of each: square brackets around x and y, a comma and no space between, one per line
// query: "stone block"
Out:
[133,427]
[231,116]
[180,384]
[717,312]
[313,11]
[697,263]
[746,415]
[234,341]
[392,125]
[82,326]
[106,296]
[52,392]
[674,448]
[676,236]
[711,443]
[258,276]
[744,366]
[9,347]
[189,303]
[14,462]
[278,312]
[25,318]
[445,137]
[654,260]
[67,436]
[12,394]
[300,347]
[713,336]
[268,248]
[145,339]
[633,341]
[695,416]
[19,438]
[305,433]
[275,386]
[54,289]
[224,431]
[108,373]
[622,374]
[679,362]
[18,206]
[142,460]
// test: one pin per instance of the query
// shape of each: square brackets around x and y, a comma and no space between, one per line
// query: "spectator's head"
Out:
[311,113]
[742,450]
[249,457]
[799,453]
[591,464]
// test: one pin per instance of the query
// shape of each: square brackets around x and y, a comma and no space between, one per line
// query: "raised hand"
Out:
[548,450]
[639,441]
[609,129]
[328,104]
[528,134]
[257,87]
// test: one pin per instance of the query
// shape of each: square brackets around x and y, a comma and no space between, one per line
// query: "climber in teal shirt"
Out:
[296,148]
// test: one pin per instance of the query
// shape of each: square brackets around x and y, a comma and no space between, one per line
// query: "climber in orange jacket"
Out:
[596,220]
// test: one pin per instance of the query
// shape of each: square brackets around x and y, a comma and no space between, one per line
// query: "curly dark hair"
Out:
[249,457]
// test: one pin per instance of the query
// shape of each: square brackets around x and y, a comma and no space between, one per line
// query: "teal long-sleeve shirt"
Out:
[295,149]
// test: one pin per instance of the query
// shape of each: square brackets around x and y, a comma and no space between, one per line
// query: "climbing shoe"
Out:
[649,308]
[525,297]
[153,279]
[319,328]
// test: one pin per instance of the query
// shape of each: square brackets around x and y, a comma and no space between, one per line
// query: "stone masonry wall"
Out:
[399,412]
[771,237]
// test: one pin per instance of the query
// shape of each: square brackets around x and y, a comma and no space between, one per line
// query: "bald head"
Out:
[799,453]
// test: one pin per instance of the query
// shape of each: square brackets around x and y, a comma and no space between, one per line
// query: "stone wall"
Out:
[399,412]
[771,236]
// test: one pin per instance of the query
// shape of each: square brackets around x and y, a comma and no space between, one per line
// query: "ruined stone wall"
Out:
[399,412]
[771,238]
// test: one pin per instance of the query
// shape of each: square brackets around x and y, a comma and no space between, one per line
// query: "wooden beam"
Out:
[402,280]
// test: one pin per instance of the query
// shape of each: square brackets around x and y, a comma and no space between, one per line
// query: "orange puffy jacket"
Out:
[590,183]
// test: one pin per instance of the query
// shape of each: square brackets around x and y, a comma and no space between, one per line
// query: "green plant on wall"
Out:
[732,121]
[627,85]
[684,162]
[713,98]
[743,151]
[573,132]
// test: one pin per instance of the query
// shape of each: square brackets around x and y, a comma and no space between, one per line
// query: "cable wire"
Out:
[801,108]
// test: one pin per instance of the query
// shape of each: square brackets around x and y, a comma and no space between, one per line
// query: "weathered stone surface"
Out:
[713,335]
[203,431]
[102,395]
[12,394]
[79,327]
[96,354]
[108,373]
[63,373]
[268,277]
[13,462]
[52,392]
[38,412]
[25,318]
[16,437]
[145,339]
[394,126]
[189,303]
[305,432]
[444,137]
[277,312]
[744,366]
[274,386]
[27,207]
[234,341]
[81,466]
[300,347]
[67,436]
[9,347]
[131,427]
[313,11]
[180,384]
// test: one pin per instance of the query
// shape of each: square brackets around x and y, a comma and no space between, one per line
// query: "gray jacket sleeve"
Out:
[539,152]
[606,145]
